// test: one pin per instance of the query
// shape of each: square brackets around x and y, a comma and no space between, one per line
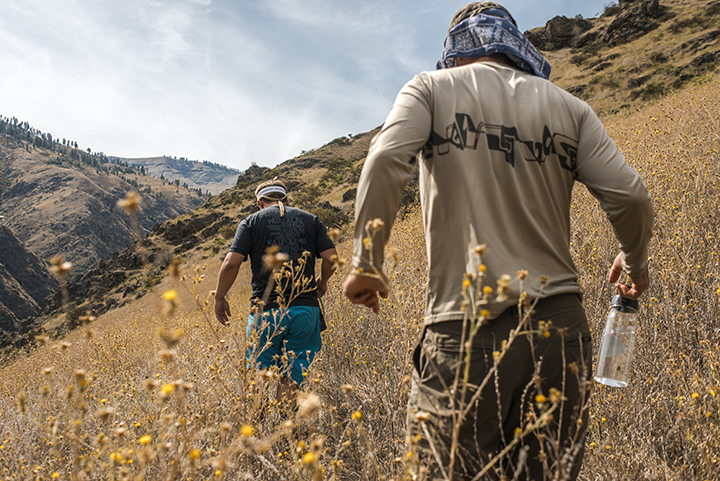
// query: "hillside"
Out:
[205,176]
[155,387]
[620,45]
[25,282]
[637,51]
[58,200]
[144,388]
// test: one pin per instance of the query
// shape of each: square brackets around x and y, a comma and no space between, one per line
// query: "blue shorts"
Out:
[295,332]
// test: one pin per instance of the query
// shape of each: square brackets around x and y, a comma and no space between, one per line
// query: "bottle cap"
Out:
[623,304]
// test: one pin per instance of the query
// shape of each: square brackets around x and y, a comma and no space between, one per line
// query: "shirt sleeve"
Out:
[388,168]
[619,189]
[242,243]
[322,239]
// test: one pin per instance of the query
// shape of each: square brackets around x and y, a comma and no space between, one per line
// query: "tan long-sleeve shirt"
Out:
[499,150]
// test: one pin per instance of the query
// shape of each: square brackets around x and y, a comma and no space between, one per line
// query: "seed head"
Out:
[556,396]
[307,403]
[374,225]
[422,416]
[21,401]
[104,413]
[170,336]
[150,384]
[59,267]
[174,268]
[273,258]
[131,203]
[167,355]
[504,282]
[338,262]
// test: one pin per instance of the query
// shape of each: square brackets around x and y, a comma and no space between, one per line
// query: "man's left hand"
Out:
[637,284]
[222,311]
[321,286]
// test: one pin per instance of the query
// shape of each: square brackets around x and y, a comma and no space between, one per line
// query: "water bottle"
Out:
[616,346]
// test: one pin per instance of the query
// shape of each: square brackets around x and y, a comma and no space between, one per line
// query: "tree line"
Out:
[68,150]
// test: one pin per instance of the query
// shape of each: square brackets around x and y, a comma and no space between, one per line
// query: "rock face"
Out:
[25,282]
[635,20]
[560,32]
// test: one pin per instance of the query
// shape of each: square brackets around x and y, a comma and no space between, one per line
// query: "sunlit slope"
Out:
[121,401]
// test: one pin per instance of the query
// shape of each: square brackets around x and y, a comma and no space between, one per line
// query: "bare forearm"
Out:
[226,277]
[326,270]
[327,267]
[225,281]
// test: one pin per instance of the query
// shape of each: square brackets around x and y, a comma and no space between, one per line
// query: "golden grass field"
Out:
[143,393]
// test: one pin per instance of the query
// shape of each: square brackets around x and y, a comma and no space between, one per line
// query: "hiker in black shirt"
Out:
[288,322]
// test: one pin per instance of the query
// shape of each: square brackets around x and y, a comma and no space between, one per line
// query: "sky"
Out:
[233,82]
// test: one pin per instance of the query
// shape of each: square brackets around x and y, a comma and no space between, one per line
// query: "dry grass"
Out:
[113,400]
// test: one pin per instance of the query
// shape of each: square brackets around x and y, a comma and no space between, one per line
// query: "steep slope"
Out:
[25,282]
[58,200]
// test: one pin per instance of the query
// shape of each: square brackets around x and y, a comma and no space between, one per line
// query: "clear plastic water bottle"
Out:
[616,346]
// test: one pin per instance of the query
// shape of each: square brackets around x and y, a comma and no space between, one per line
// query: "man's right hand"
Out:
[637,284]
[366,290]
[222,311]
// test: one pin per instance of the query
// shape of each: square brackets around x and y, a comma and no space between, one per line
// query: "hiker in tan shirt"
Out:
[500,148]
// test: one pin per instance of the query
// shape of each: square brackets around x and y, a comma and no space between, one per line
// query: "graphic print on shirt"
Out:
[288,232]
[463,134]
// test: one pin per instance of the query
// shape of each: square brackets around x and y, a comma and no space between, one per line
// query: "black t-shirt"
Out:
[295,232]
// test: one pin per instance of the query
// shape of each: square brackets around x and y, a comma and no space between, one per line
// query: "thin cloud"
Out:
[232,82]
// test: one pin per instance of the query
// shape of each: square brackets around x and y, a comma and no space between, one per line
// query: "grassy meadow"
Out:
[159,390]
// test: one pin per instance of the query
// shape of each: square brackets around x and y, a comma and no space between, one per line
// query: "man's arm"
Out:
[327,269]
[386,171]
[226,278]
[624,198]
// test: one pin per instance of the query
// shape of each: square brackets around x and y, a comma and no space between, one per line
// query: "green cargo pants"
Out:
[545,369]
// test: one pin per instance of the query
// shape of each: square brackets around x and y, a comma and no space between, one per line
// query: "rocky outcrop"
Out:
[635,20]
[560,32]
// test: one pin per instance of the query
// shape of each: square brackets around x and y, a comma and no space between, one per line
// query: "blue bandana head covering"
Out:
[483,35]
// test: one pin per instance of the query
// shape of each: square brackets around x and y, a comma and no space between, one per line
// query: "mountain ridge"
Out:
[207,176]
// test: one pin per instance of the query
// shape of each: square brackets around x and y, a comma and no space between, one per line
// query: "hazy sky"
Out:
[229,81]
